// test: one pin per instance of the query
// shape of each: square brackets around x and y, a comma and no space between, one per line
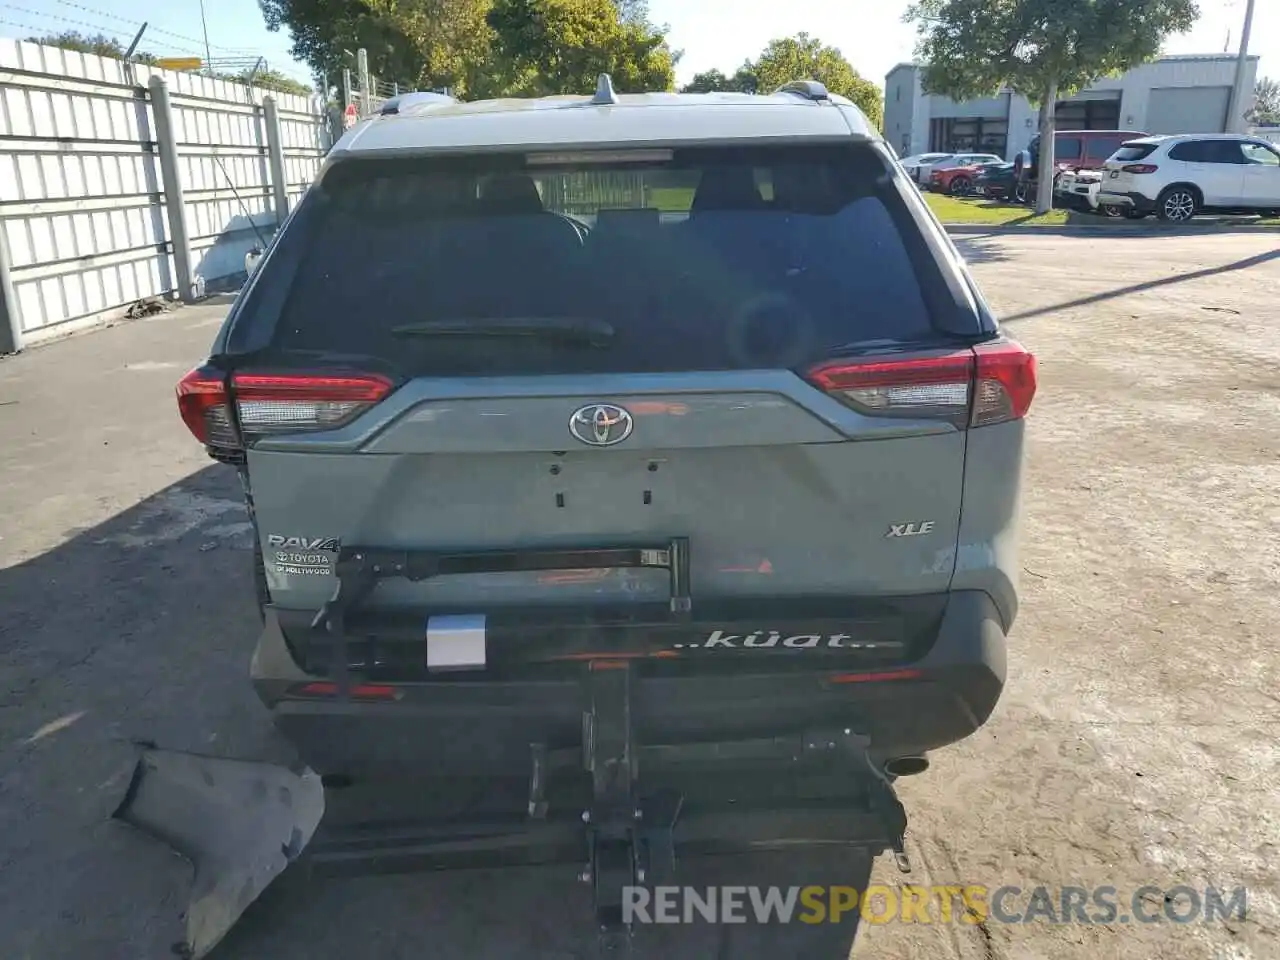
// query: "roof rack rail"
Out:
[809,89]
[398,103]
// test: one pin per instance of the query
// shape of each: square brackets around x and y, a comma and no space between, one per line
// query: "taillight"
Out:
[202,401]
[1004,382]
[273,404]
[1140,168]
[991,383]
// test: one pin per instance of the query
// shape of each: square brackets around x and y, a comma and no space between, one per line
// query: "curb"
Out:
[1137,229]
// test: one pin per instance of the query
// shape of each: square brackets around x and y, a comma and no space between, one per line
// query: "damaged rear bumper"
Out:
[622,810]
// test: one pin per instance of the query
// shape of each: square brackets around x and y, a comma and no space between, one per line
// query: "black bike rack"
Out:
[628,841]
[623,830]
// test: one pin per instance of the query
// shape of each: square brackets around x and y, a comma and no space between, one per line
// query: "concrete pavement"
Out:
[1136,741]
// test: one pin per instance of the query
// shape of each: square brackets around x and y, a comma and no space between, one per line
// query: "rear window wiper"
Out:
[594,333]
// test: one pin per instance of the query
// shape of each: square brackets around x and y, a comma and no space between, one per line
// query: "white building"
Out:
[1178,94]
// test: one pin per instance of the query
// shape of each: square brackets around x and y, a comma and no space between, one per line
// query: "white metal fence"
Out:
[99,162]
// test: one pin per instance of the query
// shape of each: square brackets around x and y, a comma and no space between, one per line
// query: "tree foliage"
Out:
[801,57]
[481,48]
[322,30]
[271,80]
[970,48]
[99,45]
[1265,111]
[445,43]
[562,46]
[1042,49]
[744,80]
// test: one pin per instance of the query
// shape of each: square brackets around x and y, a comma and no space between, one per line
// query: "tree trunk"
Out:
[1045,166]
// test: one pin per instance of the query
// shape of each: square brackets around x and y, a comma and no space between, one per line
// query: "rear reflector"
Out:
[881,677]
[991,383]
[268,404]
[359,691]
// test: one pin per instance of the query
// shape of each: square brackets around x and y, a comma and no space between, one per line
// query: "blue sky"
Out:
[712,33]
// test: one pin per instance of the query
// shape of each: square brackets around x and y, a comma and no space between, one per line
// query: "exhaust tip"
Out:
[906,766]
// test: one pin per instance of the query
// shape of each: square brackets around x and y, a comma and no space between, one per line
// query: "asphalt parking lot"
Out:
[1137,743]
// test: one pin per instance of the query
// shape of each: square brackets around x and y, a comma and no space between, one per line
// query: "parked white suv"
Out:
[1177,177]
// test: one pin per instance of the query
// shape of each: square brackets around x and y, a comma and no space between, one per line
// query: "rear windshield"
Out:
[1133,151]
[699,259]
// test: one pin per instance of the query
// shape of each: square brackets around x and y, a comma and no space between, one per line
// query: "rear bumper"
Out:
[482,727]
[1130,201]
[1077,199]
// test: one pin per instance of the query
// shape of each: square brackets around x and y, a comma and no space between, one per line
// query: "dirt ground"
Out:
[1137,742]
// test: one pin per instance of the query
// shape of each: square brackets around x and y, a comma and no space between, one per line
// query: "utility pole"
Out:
[362,70]
[1238,92]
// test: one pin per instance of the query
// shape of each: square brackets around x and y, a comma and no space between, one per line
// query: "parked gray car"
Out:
[610,443]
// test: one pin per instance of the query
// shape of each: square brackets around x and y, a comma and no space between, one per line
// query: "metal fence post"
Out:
[275,158]
[175,207]
[10,321]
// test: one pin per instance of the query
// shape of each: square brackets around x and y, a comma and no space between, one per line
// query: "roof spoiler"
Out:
[398,103]
[808,89]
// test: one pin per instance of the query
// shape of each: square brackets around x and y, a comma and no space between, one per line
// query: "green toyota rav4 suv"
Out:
[591,438]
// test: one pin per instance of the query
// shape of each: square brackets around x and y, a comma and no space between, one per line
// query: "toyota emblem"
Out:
[601,424]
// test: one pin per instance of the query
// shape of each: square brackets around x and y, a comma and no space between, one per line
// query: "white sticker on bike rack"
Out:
[456,642]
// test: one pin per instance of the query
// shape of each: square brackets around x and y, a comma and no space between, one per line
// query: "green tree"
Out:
[710,81]
[1266,103]
[323,31]
[744,80]
[633,11]
[100,45]
[562,46]
[1042,49]
[270,80]
[448,43]
[480,48]
[803,57]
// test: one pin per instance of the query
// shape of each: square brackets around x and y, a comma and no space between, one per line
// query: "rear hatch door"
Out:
[1119,174]
[738,347]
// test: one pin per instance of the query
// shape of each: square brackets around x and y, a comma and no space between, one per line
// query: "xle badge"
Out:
[916,528]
